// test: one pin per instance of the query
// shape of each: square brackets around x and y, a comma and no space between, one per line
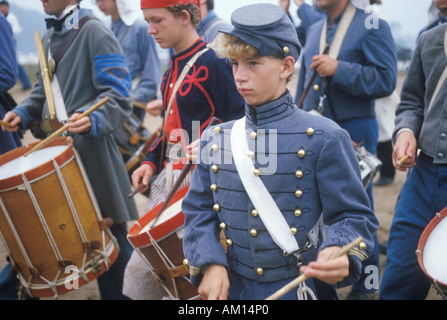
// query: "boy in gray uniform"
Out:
[278,164]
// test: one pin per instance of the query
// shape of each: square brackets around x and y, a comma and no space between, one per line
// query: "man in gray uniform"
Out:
[91,69]
[420,124]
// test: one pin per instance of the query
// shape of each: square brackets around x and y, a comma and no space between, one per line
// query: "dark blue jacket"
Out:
[208,91]
[367,70]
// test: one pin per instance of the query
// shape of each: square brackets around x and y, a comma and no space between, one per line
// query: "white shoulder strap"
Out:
[59,104]
[342,28]
[267,209]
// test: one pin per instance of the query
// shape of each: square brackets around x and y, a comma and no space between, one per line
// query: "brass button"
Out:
[310,131]
[362,246]
[46,117]
[298,193]
[217,129]
[223,225]
[229,242]
[214,168]
[298,213]
[299,174]
[253,232]
[286,49]
[256,172]
[213,187]
[185,262]
[259,271]
[316,87]
[250,154]
[253,135]
[254,213]
[214,147]
[216,207]
[293,230]
[301,153]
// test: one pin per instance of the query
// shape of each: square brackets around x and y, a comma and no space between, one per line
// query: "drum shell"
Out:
[60,223]
[168,237]
[421,246]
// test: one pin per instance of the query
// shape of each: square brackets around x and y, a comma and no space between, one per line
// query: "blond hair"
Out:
[228,46]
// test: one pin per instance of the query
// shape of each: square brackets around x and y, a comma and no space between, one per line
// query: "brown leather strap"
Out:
[68,41]
[179,271]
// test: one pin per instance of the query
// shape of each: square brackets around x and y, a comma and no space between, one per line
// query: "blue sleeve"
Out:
[376,77]
[149,82]
[201,241]
[338,161]
[309,15]
[8,60]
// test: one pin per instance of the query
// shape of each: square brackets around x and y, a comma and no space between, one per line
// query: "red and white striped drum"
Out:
[50,222]
[432,252]
[159,242]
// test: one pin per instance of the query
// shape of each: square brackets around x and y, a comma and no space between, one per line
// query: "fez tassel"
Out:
[278,294]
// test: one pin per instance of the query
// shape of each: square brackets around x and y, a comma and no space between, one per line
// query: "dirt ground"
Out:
[384,201]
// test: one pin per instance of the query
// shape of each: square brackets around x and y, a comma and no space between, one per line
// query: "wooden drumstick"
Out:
[278,294]
[4,123]
[137,190]
[65,127]
[402,160]
[139,105]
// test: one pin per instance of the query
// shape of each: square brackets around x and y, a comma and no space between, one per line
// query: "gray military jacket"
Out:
[308,165]
[429,126]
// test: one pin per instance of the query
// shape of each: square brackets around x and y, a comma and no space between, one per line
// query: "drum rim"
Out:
[39,171]
[47,290]
[422,241]
[160,231]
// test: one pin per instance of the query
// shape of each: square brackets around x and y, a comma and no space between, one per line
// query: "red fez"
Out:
[166,3]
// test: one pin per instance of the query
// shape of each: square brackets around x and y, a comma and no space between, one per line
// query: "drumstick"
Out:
[137,190]
[4,123]
[65,127]
[303,277]
[179,180]
[171,194]
[139,105]
[402,160]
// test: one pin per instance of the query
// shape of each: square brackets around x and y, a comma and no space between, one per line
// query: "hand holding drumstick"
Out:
[404,152]
[77,124]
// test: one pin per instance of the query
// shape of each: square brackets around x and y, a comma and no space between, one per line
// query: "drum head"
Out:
[432,249]
[33,160]
[169,221]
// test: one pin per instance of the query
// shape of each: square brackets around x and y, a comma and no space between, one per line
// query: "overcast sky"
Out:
[411,15]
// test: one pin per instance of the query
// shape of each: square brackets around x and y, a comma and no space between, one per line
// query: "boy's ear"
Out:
[288,64]
[186,17]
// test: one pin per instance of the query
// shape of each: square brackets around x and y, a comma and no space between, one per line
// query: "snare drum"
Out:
[432,252]
[159,242]
[50,221]
[369,164]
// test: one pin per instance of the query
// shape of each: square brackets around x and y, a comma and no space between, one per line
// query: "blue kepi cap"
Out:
[266,27]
